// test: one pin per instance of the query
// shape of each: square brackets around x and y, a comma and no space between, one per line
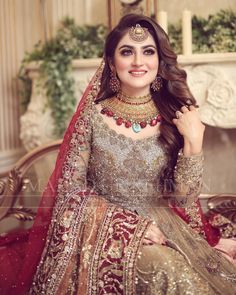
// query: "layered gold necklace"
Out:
[135,112]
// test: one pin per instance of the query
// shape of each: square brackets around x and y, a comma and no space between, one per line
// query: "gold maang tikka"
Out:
[138,33]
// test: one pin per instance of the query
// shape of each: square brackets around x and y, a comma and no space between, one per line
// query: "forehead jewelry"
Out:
[138,33]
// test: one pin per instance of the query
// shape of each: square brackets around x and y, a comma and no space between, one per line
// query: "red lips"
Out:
[137,72]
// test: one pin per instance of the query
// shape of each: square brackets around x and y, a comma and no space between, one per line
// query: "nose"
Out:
[137,61]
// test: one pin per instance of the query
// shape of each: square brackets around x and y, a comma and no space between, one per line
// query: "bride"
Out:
[128,172]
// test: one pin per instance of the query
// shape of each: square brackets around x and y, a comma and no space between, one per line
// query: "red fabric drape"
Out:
[19,261]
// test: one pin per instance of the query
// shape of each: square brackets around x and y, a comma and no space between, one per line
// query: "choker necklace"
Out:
[135,112]
[134,100]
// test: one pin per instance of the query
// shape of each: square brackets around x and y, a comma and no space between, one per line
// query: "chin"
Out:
[139,86]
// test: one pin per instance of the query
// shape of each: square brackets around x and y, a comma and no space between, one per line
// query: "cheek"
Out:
[153,64]
[121,64]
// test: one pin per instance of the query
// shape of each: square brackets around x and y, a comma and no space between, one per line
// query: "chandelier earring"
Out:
[114,82]
[156,84]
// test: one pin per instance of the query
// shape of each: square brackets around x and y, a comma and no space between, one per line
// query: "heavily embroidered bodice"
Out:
[125,171]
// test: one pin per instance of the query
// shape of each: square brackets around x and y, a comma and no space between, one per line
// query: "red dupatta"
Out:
[116,230]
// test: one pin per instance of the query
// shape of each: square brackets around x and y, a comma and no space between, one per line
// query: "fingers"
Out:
[183,110]
[154,236]
[186,109]
[188,123]
[178,114]
[192,108]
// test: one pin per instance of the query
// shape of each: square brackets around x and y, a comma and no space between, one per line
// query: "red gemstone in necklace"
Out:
[153,122]
[143,124]
[158,118]
[128,124]
[110,113]
[119,121]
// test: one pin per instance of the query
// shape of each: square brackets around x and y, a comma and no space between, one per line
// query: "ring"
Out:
[178,114]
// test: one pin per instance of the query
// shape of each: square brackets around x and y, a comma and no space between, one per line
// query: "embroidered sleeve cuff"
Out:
[188,174]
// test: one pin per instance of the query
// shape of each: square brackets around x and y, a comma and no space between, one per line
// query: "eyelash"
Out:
[127,52]
[149,51]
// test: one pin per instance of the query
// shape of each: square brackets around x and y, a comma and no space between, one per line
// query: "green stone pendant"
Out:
[136,127]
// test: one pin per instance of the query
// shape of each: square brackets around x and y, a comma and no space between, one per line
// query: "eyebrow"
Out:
[132,47]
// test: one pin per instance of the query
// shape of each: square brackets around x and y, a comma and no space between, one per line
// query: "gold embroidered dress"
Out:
[127,172]
[94,243]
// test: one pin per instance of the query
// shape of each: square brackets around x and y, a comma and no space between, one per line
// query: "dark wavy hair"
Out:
[173,95]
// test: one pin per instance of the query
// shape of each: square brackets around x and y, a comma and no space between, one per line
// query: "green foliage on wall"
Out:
[214,34]
[71,42]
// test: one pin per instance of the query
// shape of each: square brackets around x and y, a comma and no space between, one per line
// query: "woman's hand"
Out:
[191,128]
[228,248]
[154,236]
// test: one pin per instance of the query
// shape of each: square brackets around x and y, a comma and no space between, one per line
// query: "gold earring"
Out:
[156,84]
[114,83]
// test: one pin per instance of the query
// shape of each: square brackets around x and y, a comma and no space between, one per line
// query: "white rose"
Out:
[220,95]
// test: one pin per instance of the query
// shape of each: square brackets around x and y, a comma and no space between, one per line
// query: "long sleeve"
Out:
[188,174]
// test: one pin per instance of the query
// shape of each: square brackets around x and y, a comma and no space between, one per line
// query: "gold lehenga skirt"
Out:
[162,270]
[186,265]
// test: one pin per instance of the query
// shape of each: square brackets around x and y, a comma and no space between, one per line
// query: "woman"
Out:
[120,176]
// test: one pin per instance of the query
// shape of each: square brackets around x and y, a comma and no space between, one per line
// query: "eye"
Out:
[126,52]
[149,51]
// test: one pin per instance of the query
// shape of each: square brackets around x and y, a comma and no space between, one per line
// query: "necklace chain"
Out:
[133,100]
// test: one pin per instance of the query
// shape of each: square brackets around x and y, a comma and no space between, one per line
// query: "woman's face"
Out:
[136,64]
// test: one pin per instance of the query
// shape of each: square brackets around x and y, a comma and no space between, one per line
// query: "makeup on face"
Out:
[136,63]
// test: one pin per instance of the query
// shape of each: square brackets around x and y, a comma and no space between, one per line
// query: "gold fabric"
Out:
[187,264]
[93,243]
[123,171]
[161,270]
[127,172]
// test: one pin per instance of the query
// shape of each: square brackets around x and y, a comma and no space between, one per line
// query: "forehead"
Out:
[126,40]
